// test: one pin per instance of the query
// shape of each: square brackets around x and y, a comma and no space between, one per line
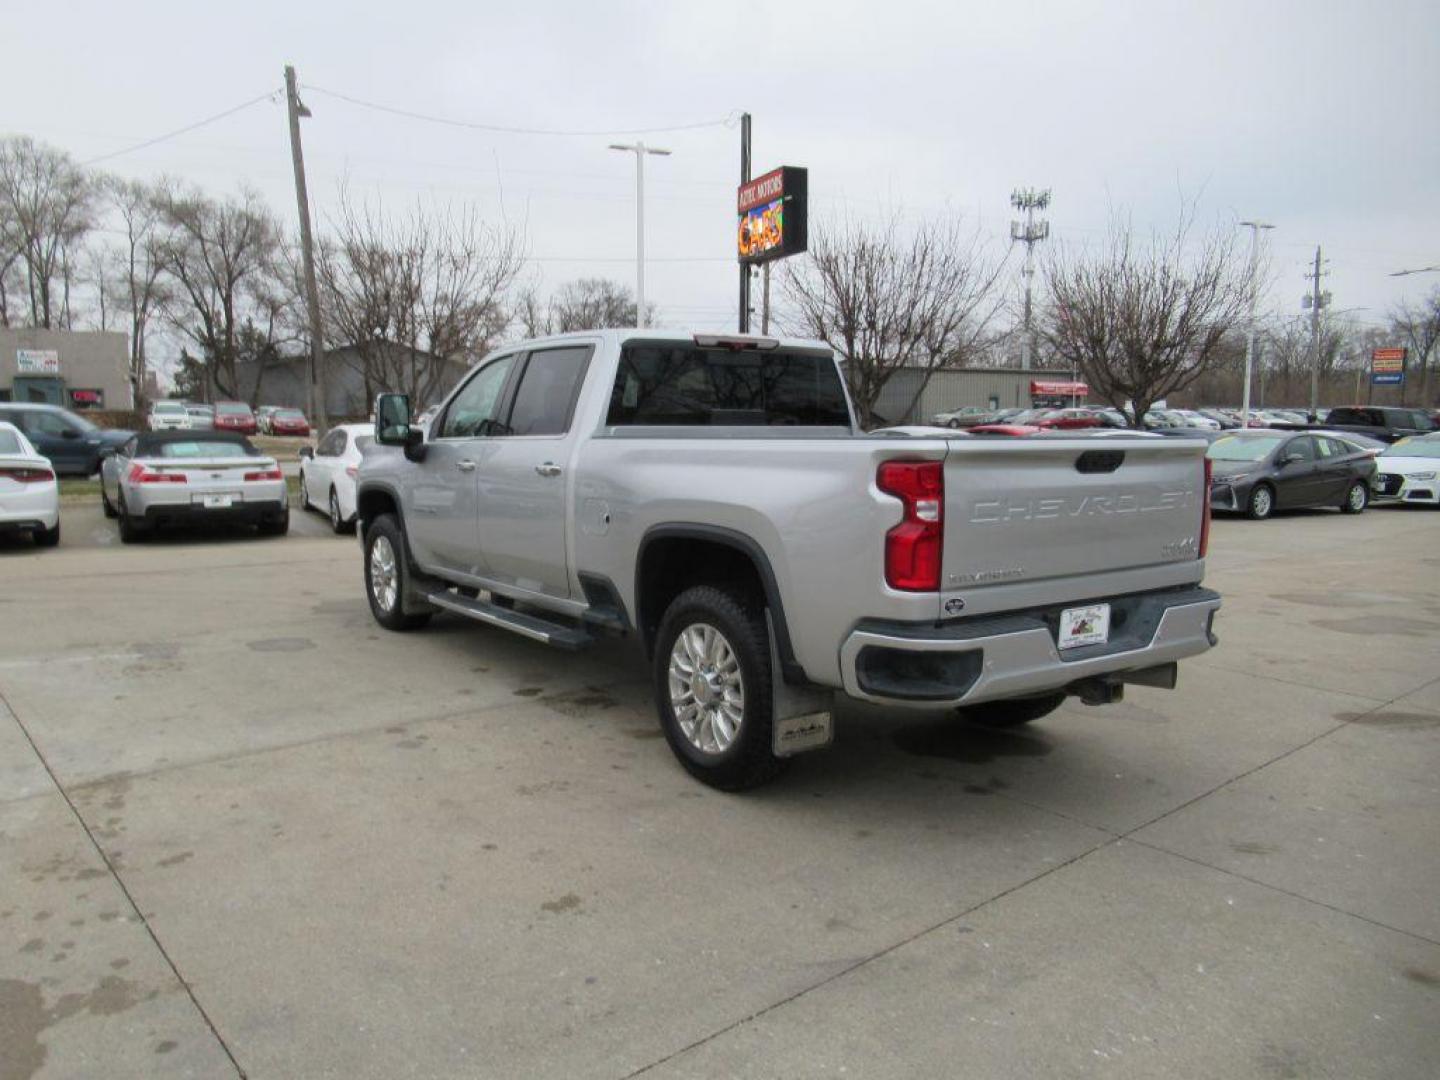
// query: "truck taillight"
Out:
[268,474]
[139,474]
[1205,519]
[912,548]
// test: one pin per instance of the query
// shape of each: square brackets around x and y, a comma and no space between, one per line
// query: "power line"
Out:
[269,94]
[503,129]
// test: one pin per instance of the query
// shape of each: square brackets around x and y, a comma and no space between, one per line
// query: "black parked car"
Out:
[73,444]
[1385,422]
[1258,472]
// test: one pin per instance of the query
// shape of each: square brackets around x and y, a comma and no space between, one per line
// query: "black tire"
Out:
[276,526]
[48,538]
[1261,503]
[338,524]
[132,529]
[1011,714]
[105,504]
[954,423]
[387,528]
[1357,498]
[304,491]
[747,760]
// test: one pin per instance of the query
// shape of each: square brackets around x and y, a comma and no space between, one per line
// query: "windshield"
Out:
[9,443]
[233,408]
[201,448]
[289,414]
[1426,448]
[1233,449]
[169,407]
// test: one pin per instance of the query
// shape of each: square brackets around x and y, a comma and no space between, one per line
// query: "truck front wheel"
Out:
[386,570]
[712,686]
[1009,714]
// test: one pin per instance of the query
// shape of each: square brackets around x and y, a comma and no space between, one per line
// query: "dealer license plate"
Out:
[218,502]
[1084,626]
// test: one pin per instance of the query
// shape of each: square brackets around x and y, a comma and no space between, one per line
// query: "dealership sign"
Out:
[1039,388]
[87,397]
[37,362]
[1387,367]
[773,215]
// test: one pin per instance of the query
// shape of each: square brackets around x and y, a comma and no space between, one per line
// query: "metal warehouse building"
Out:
[79,370]
[907,398]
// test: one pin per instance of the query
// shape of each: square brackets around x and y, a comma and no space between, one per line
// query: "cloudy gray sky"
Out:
[1317,116]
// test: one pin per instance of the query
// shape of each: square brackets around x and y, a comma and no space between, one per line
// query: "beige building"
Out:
[77,369]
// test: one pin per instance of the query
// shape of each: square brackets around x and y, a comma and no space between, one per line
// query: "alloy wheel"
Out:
[383,578]
[707,690]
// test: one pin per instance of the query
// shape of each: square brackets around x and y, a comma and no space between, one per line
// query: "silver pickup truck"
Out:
[712,498]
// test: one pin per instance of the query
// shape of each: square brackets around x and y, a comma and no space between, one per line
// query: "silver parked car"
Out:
[202,417]
[172,477]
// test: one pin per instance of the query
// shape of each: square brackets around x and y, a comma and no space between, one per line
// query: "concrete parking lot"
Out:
[243,831]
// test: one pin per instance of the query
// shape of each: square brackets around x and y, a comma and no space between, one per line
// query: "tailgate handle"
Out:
[1099,461]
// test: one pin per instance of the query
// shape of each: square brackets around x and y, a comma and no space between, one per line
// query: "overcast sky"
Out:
[1317,116]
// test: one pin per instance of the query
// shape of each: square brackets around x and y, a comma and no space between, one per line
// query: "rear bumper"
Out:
[992,657]
[240,513]
[38,508]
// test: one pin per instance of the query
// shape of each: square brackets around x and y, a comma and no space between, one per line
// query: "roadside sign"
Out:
[773,215]
[1387,367]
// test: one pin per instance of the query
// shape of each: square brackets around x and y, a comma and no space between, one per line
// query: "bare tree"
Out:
[583,304]
[1418,325]
[888,299]
[1141,320]
[414,294]
[223,259]
[137,267]
[47,206]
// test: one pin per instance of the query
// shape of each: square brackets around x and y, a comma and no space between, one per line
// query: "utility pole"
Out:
[744,179]
[639,149]
[307,257]
[1029,232]
[1254,227]
[1315,301]
[765,303]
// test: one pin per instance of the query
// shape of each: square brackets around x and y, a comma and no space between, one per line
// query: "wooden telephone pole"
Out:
[307,255]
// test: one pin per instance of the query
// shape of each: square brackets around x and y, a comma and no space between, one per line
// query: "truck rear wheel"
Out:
[386,571]
[712,687]
[1009,714]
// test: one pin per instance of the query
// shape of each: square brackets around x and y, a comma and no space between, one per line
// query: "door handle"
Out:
[548,468]
[465,465]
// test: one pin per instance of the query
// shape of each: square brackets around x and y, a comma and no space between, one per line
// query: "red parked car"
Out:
[289,422]
[1066,419]
[234,416]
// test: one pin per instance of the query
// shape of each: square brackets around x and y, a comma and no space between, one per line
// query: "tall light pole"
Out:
[639,149]
[1254,227]
[1315,300]
[1029,232]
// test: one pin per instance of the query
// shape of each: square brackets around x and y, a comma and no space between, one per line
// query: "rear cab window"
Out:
[680,384]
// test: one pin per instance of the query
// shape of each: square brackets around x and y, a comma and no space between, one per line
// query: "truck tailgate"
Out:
[1046,509]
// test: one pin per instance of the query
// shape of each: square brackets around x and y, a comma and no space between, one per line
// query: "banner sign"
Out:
[773,215]
[37,362]
[1058,389]
[1387,367]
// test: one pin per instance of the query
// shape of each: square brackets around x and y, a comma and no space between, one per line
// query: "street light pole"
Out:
[639,149]
[1254,227]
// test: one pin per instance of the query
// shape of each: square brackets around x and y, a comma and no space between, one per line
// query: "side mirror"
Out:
[1290,459]
[70,433]
[392,420]
[307,452]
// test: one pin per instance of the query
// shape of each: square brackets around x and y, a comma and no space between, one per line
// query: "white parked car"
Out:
[29,492]
[327,473]
[1198,420]
[169,416]
[1409,471]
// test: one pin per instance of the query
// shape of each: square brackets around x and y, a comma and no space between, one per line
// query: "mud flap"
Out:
[802,717]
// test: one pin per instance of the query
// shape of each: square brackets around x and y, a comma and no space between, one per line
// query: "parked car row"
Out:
[1259,471]
[233,416]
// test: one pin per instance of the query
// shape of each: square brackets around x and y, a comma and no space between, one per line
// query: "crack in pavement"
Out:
[124,890]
